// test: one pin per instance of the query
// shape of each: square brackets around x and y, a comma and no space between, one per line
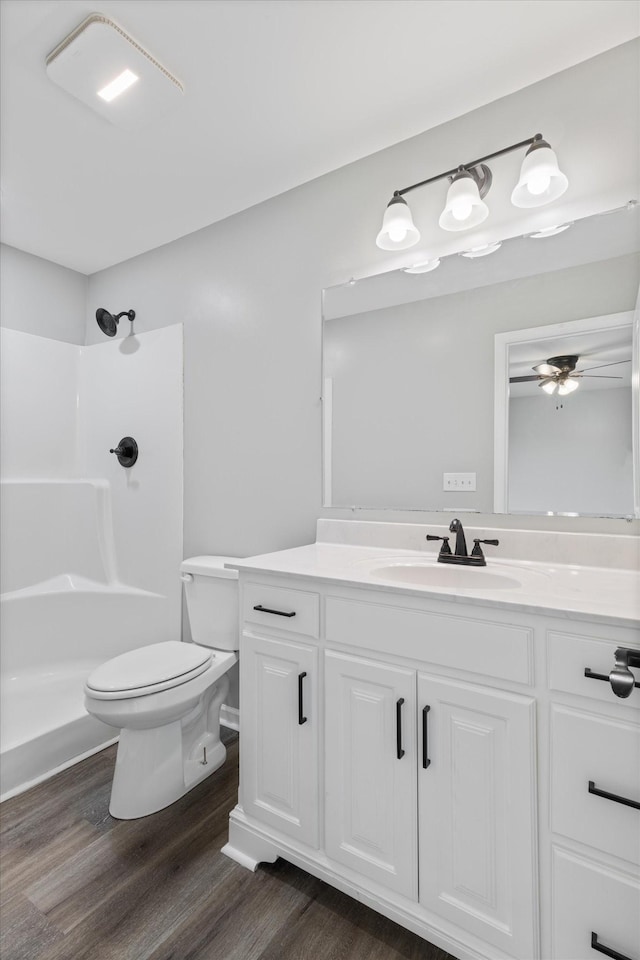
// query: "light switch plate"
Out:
[462,482]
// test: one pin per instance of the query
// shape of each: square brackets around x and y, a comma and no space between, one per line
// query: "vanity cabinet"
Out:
[477,810]
[371,802]
[280,724]
[433,759]
[594,801]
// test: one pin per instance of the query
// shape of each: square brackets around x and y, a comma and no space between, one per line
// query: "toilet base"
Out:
[155,767]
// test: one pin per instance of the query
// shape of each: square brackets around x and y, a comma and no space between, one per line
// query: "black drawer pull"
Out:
[301,717]
[399,750]
[588,672]
[425,737]
[277,613]
[612,796]
[608,952]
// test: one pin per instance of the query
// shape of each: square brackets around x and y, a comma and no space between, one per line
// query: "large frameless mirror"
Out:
[501,383]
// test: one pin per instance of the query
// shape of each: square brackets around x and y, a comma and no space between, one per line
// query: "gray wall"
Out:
[248,292]
[413,385]
[571,453]
[40,297]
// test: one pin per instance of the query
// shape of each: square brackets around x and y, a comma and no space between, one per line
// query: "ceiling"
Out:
[277,92]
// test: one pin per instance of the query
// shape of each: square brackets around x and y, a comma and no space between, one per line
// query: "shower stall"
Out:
[90,548]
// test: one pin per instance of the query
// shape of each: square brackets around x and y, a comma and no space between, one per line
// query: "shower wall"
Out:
[90,550]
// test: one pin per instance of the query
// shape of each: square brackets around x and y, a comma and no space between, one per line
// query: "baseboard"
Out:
[230,717]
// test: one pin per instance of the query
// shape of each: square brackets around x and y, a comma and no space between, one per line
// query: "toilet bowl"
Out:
[166,697]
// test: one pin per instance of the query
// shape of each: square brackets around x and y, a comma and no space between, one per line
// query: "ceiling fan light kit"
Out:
[541,181]
[559,373]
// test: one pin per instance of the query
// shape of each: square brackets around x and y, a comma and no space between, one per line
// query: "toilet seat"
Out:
[150,669]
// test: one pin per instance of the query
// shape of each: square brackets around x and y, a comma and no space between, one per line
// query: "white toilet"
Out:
[166,697]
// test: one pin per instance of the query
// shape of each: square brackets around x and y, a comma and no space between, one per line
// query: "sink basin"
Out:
[430,575]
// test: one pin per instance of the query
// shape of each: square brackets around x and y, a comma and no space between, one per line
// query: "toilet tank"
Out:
[212,601]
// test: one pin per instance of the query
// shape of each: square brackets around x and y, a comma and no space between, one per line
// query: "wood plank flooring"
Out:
[75,884]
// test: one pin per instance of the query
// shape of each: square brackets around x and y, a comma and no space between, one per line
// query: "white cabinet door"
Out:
[280,722]
[476,791]
[371,788]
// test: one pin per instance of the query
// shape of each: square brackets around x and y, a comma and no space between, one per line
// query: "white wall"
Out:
[63,408]
[132,386]
[248,292]
[40,297]
[38,412]
[571,453]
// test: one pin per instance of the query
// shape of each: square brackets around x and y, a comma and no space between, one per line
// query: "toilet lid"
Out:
[148,666]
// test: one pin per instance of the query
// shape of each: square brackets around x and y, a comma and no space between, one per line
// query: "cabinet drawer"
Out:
[281,608]
[570,655]
[588,899]
[480,646]
[605,752]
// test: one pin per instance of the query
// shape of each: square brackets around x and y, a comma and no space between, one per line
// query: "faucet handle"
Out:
[445,549]
[477,549]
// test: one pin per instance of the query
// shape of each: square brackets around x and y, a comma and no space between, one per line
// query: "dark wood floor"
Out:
[76,884]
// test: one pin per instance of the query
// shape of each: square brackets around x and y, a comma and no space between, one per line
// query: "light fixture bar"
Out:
[470,166]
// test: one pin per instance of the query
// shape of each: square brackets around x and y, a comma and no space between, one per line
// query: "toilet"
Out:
[166,697]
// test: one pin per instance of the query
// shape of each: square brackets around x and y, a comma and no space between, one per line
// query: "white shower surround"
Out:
[84,574]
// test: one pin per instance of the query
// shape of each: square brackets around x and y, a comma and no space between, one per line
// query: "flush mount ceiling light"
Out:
[482,251]
[106,69]
[423,266]
[541,181]
[549,231]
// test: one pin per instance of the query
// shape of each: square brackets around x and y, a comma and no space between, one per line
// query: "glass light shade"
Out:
[464,207]
[549,387]
[541,180]
[398,231]
[423,266]
[568,387]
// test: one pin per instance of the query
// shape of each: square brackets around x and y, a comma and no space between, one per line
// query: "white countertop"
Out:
[562,590]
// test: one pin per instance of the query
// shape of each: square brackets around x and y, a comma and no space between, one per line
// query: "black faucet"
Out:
[460,555]
[461,544]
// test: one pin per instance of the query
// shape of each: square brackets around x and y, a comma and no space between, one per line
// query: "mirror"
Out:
[418,379]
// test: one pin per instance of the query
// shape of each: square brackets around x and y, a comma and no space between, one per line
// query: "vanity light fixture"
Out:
[541,181]
[423,266]
[482,251]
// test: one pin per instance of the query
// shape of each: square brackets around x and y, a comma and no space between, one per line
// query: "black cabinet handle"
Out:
[608,952]
[277,613]
[612,796]
[588,672]
[425,737]
[301,717]
[399,750]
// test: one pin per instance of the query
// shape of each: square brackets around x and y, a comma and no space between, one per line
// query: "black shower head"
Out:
[108,323]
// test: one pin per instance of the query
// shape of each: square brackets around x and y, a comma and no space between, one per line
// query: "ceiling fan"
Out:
[559,373]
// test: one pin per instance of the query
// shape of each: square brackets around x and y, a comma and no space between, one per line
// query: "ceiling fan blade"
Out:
[600,366]
[545,380]
[594,376]
[546,369]
[522,379]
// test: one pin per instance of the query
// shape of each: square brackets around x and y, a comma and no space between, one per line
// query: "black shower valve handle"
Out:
[126,452]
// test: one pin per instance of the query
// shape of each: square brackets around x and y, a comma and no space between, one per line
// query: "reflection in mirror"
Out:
[409,377]
[564,418]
